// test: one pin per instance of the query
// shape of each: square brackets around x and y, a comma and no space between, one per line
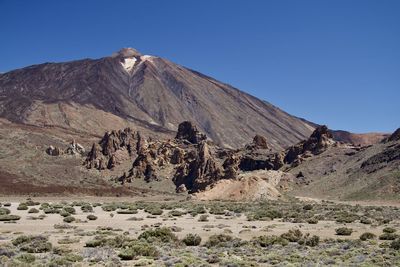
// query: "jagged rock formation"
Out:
[75,148]
[106,154]
[394,137]
[187,131]
[318,142]
[194,164]
[200,169]
[381,159]
[260,142]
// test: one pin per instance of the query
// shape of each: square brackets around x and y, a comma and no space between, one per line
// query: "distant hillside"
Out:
[148,93]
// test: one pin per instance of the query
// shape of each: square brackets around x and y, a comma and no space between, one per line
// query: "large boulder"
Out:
[75,148]
[53,151]
[187,131]
[317,143]
[260,142]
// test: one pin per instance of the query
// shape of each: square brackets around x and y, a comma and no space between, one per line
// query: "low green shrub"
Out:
[91,217]
[219,240]
[4,211]
[365,220]
[138,250]
[266,241]
[344,231]
[127,211]
[163,235]
[87,208]
[50,211]
[264,215]
[395,244]
[308,207]
[94,243]
[367,236]
[26,258]
[176,213]
[203,218]
[22,206]
[69,209]
[217,210]
[192,240]
[312,221]
[312,241]
[69,219]
[33,210]
[293,235]
[32,244]
[9,217]
[388,236]
[109,207]
[389,230]
[197,210]
[154,210]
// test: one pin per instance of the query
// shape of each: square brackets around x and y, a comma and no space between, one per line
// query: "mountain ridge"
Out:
[155,93]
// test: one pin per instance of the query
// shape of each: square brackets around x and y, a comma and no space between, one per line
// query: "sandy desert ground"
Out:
[45,232]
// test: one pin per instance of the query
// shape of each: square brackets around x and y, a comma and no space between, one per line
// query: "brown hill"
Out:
[147,93]
[353,173]
[363,139]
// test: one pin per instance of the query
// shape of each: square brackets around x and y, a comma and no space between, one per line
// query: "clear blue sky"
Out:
[332,62]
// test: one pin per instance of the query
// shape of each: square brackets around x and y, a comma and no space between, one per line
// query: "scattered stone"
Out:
[53,151]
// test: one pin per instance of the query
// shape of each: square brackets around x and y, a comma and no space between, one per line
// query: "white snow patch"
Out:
[146,57]
[128,63]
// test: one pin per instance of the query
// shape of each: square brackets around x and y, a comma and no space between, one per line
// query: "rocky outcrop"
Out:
[260,142]
[382,159]
[192,162]
[95,158]
[181,189]
[394,137]
[188,132]
[231,166]
[115,140]
[73,148]
[318,142]
[198,170]
[105,153]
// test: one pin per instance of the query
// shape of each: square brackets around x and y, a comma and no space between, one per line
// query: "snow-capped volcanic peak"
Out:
[146,57]
[128,63]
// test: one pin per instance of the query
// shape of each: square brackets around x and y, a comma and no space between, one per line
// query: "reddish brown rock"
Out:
[260,142]
[103,154]
[318,142]
[187,131]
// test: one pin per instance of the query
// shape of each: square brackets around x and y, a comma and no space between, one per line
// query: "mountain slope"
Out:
[145,92]
[353,173]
